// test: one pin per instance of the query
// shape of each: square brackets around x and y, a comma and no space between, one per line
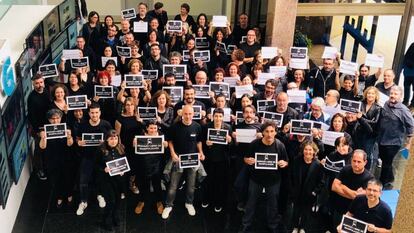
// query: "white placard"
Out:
[174,26]
[141,26]
[263,77]
[116,80]
[331,110]
[278,71]
[232,81]
[374,60]
[245,89]
[71,54]
[104,60]
[245,135]
[269,52]
[219,21]
[348,67]
[330,52]
[382,99]
[329,137]
[297,96]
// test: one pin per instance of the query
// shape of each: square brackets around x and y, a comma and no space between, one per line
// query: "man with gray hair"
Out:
[350,182]
[396,124]
[316,112]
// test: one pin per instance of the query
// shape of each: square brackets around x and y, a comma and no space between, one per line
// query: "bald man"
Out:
[184,137]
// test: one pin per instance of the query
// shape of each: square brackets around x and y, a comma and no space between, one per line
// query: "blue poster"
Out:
[7,77]
[19,154]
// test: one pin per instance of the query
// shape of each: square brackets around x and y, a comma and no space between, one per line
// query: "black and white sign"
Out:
[265,161]
[104,60]
[149,145]
[48,71]
[123,51]
[263,105]
[150,74]
[353,225]
[71,53]
[134,81]
[231,48]
[202,42]
[335,166]
[299,127]
[220,88]
[92,139]
[175,93]
[174,26]
[104,91]
[202,91]
[272,116]
[118,166]
[186,55]
[221,47]
[128,13]
[55,130]
[148,113]
[217,136]
[298,58]
[189,160]
[77,102]
[243,39]
[239,117]
[79,62]
[202,55]
[350,105]
[178,70]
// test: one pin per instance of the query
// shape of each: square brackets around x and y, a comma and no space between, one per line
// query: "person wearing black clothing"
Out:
[338,124]
[87,51]
[124,30]
[91,31]
[371,209]
[216,163]
[107,105]
[349,89]
[109,40]
[59,160]
[250,48]
[155,62]
[408,66]
[185,17]
[37,105]
[351,181]
[189,99]
[385,87]
[306,183]
[160,14]
[260,179]
[282,107]
[162,101]
[58,94]
[149,172]
[241,29]
[110,150]
[89,153]
[365,80]
[141,16]
[325,79]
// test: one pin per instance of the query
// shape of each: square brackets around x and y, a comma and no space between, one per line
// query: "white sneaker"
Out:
[166,212]
[122,196]
[101,201]
[190,209]
[81,208]
[218,209]
[295,230]
[302,231]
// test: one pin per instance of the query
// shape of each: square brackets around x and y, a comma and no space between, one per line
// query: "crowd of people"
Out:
[309,186]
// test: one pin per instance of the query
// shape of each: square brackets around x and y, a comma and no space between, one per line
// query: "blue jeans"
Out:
[272,213]
[189,182]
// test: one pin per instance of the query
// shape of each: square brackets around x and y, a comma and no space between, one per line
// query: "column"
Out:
[281,20]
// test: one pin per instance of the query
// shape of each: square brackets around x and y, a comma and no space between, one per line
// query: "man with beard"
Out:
[396,126]
[371,209]
[324,79]
[189,99]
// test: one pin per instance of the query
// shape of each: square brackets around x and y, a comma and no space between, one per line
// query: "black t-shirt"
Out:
[262,176]
[216,152]
[103,127]
[352,181]
[348,95]
[129,128]
[250,50]
[185,137]
[242,148]
[381,87]
[379,215]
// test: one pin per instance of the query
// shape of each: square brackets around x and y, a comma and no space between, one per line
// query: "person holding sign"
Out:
[60,162]
[339,125]
[365,79]
[153,39]
[216,163]
[184,137]
[162,101]
[396,128]
[89,154]
[349,89]
[135,55]
[324,79]
[59,93]
[160,14]
[110,150]
[189,99]
[350,182]
[107,105]
[149,172]
[250,48]
[316,112]
[370,209]
[260,179]
[185,17]
[155,62]
[282,107]
[141,18]
[306,184]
